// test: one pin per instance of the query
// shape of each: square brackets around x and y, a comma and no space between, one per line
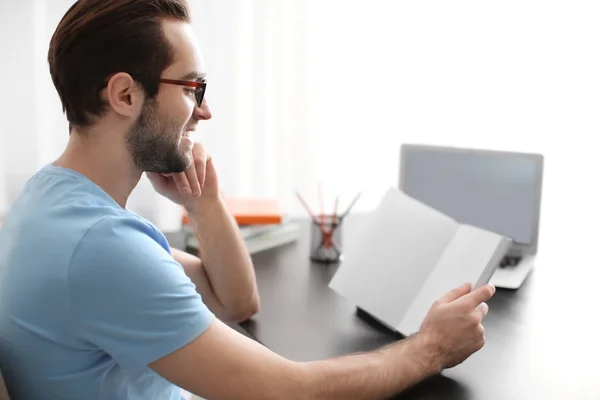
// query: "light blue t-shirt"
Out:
[89,296]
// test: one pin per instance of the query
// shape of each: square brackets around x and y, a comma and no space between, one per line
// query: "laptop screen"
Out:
[493,191]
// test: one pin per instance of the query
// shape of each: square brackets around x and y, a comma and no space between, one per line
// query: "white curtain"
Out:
[33,131]
[253,52]
[326,91]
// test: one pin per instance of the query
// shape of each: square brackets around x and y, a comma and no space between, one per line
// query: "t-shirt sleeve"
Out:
[129,297]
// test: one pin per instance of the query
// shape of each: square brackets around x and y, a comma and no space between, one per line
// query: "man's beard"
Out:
[154,144]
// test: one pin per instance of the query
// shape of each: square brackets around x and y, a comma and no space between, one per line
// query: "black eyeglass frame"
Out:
[199,86]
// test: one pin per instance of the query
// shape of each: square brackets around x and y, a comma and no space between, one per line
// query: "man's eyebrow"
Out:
[193,76]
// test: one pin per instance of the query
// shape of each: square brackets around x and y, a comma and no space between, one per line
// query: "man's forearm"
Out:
[373,375]
[224,256]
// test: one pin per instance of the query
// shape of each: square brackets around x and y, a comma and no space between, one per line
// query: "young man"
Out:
[95,305]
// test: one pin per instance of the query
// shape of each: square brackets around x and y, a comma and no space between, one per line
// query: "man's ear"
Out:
[124,95]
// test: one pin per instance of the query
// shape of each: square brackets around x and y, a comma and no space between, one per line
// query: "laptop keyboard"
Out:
[510,261]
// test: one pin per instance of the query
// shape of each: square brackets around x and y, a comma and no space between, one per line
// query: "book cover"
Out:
[250,211]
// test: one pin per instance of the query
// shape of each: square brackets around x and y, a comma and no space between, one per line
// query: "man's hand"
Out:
[184,188]
[452,329]
[222,270]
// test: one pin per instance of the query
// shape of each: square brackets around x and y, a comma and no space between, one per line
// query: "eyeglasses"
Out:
[199,86]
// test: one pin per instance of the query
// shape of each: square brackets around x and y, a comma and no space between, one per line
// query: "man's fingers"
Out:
[153,176]
[200,167]
[182,183]
[201,158]
[156,179]
[479,295]
[456,293]
[193,180]
[483,309]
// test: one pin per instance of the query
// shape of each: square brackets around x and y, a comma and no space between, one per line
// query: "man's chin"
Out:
[174,168]
[168,171]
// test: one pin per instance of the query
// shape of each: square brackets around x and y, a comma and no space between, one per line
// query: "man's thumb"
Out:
[155,178]
[456,293]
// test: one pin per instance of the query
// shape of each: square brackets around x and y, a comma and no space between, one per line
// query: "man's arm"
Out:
[194,269]
[223,272]
[223,364]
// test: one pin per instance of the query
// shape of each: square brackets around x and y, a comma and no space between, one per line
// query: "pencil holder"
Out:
[326,240]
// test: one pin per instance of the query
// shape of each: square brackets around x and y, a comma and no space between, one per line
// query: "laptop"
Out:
[495,190]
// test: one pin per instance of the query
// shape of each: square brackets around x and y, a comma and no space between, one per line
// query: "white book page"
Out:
[399,247]
[472,256]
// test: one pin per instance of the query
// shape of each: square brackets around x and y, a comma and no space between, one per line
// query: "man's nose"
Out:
[203,112]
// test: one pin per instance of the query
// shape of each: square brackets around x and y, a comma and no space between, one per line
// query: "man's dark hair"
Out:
[99,38]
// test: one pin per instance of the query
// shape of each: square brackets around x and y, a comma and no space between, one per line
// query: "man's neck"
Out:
[104,161]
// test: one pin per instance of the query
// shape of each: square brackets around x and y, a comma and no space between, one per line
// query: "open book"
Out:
[408,256]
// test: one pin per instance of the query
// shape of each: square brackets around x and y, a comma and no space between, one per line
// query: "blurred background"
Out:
[308,92]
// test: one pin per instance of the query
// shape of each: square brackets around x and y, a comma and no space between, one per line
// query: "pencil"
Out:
[308,210]
[335,208]
[322,206]
[350,206]
[321,203]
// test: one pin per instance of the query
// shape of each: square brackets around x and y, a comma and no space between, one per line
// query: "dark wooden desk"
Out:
[527,355]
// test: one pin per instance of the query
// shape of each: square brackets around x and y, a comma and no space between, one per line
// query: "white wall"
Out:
[519,75]
[18,100]
[256,60]
[33,130]
[314,91]
[3,189]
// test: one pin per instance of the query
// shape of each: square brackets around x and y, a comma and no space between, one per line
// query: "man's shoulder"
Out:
[63,213]
[119,239]
[61,198]
[125,254]
[123,230]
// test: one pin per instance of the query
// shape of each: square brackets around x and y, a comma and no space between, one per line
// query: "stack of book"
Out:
[261,223]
